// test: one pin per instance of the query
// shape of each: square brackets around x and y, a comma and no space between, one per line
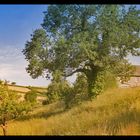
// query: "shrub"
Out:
[1,82]
[79,92]
[76,94]
[31,96]
[57,91]
[58,88]
[6,82]
[10,107]
[45,102]
[13,83]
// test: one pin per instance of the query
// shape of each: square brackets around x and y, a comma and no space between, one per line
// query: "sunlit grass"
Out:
[115,112]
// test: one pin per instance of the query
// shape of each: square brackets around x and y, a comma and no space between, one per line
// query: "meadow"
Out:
[115,112]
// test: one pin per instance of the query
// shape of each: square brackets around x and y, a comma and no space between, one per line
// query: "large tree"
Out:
[84,38]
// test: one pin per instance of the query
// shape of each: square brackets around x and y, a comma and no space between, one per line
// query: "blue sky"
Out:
[18,21]
[16,24]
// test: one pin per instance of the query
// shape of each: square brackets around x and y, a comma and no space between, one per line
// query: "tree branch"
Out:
[77,70]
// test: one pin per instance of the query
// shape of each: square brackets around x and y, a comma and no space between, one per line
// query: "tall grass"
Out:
[115,112]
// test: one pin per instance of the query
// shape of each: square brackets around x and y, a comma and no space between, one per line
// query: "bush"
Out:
[1,82]
[13,83]
[57,91]
[31,96]
[105,79]
[45,102]
[6,82]
[58,88]
[76,94]
[79,91]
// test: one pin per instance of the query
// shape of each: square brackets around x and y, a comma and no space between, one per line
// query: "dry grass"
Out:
[22,90]
[116,112]
[19,89]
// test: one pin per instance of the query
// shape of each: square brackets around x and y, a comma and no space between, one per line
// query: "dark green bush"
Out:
[45,102]
[58,88]
[76,94]
[31,96]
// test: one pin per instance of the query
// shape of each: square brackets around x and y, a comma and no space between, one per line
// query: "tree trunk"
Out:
[4,125]
[4,128]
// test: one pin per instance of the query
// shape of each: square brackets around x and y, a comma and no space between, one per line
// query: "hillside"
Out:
[115,112]
[22,90]
[25,89]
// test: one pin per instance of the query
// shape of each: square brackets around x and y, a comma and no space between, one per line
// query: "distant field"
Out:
[115,112]
[19,88]
[25,89]
[22,90]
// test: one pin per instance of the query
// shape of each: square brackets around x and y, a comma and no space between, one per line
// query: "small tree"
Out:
[6,82]
[10,107]
[1,82]
[31,96]
[58,88]
[13,83]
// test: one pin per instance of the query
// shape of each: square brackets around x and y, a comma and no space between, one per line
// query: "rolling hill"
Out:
[115,112]
[22,90]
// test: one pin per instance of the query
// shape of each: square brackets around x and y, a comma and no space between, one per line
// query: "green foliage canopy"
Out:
[83,38]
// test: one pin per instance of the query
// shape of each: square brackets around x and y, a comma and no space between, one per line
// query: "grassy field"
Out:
[115,112]
[18,88]
[24,89]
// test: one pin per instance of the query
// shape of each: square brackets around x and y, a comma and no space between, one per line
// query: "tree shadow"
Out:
[44,114]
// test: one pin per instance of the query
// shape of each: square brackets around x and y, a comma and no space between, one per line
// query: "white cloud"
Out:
[12,67]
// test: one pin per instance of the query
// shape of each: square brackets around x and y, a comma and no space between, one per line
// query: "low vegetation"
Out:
[116,112]
[11,107]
